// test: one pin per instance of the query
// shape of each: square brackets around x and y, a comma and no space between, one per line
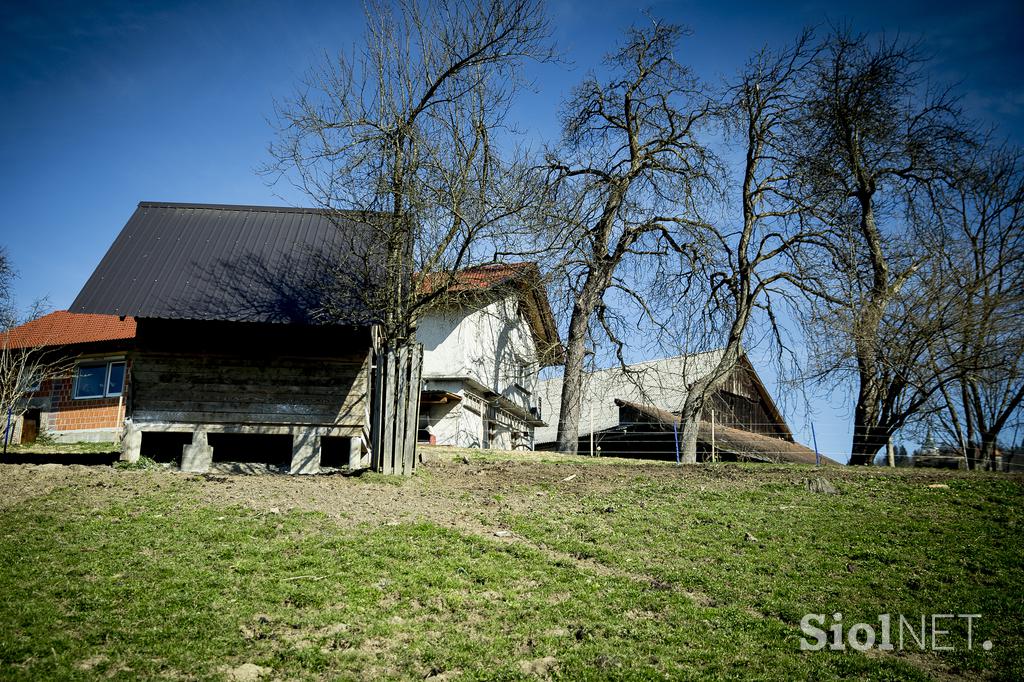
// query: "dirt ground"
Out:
[465,494]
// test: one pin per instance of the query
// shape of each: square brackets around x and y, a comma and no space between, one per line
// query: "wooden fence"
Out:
[395,408]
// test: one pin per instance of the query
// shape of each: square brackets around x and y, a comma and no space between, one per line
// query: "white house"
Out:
[482,352]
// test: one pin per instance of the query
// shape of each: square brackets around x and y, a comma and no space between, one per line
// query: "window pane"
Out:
[90,381]
[116,383]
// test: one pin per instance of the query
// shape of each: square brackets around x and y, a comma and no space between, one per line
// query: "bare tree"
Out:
[982,344]
[749,267]
[404,135]
[8,309]
[22,367]
[22,371]
[874,140]
[628,176]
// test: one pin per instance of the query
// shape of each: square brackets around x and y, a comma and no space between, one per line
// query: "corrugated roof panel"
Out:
[186,241]
[242,263]
[165,269]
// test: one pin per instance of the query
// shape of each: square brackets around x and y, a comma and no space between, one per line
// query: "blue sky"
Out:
[106,104]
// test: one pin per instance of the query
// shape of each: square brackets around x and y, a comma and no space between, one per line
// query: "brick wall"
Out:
[67,414]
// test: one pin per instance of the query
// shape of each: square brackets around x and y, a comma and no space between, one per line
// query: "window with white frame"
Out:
[99,379]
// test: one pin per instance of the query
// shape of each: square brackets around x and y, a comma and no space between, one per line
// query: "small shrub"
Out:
[44,437]
[142,463]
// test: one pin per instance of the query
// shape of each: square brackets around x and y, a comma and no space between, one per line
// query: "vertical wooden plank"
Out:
[413,407]
[403,415]
[372,393]
[382,402]
[376,439]
[382,426]
[382,432]
[399,423]
[390,390]
[410,392]
[386,408]
[399,418]
[402,407]
[413,421]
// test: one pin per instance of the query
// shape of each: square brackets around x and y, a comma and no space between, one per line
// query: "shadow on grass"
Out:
[87,458]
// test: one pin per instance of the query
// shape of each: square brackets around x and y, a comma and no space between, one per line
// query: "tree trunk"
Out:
[890,453]
[572,382]
[865,444]
[688,439]
[575,354]
[864,451]
[988,451]
[867,437]
[701,391]
[867,440]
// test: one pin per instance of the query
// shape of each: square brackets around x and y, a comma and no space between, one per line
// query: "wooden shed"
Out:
[634,413]
[235,348]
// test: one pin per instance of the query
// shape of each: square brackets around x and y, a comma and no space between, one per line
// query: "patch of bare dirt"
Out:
[465,496]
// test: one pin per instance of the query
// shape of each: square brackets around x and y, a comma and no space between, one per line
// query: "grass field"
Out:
[494,569]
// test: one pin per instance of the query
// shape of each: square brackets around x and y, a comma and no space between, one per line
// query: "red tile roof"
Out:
[480,277]
[63,328]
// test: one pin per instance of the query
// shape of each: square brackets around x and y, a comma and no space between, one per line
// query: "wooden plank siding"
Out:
[197,372]
[232,389]
[396,405]
[412,411]
[740,405]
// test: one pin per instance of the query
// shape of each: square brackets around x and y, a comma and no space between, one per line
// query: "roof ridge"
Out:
[497,264]
[248,207]
[645,364]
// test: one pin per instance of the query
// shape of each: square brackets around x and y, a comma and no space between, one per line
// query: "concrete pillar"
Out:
[197,457]
[356,458]
[131,446]
[13,431]
[305,453]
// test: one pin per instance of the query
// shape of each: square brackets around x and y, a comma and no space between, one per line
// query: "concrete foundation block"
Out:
[305,453]
[87,436]
[357,458]
[131,446]
[197,457]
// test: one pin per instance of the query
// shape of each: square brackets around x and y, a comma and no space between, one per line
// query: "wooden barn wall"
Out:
[220,373]
[738,404]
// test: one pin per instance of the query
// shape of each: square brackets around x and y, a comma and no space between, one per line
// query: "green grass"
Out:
[53,447]
[650,577]
[889,544]
[450,454]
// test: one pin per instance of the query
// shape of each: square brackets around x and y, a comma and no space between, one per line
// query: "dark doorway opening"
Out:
[164,446]
[254,448]
[334,451]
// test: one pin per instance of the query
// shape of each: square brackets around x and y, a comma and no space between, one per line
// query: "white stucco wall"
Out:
[490,344]
[455,423]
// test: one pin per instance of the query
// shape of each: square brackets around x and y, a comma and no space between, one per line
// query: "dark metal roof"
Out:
[237,263]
